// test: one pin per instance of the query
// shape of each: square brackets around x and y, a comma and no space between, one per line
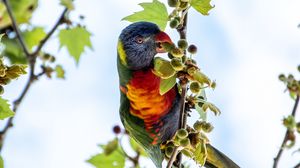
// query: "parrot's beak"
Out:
[160,38]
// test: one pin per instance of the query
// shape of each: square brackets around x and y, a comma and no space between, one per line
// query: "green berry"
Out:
[174,23]
[198,125]
[182,44]
[282,77]
[195,87]
[46,56]
[177,18]
[183,5]
[176,52]
[169,151]
[213,85]
[191,71]
[182,133]
[291,77]
[1,90]
[173,3]
[177,64]
[192,49]
[184,142]
[207,127]
[170,55]
[52,59]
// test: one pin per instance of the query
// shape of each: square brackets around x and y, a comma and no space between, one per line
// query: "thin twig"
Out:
[297,166]
[43,42]
[31,59]
[176,155]
[285,139]
[134,160]
[16,28]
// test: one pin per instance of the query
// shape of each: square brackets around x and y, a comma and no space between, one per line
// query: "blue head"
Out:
[139,43]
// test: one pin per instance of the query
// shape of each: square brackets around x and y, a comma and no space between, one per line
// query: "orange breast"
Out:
[145,100]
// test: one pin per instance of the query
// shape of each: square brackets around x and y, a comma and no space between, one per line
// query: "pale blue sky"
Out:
[244,45]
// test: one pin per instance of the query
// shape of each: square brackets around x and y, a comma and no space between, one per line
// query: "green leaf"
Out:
[32,38]
[75,40]
[163,68]
[155,12]
[68,4]
[200,154]
[202,113]
[202,6]
[212,107]
[1,162]
[201,78]
[166,85]
[114,160]
[111,146]
[12,72]
[13,51]
[60,72]
[136,147]
[22,10]
[5,111]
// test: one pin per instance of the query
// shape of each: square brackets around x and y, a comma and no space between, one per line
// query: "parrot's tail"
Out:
[216,159]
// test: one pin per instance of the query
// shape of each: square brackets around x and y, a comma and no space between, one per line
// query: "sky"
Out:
[243,45]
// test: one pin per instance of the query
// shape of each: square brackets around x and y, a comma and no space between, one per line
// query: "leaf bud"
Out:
[192,49]
[182,133]
[195,87]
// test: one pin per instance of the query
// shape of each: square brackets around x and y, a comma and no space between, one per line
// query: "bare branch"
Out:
[43,42]
[285,139]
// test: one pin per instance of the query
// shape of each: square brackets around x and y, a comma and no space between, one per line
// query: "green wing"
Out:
[134,125]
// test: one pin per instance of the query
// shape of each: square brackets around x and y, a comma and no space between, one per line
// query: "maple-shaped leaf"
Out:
[75,40]
[155,12]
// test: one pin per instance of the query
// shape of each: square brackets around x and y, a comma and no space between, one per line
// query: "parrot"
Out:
[150,118]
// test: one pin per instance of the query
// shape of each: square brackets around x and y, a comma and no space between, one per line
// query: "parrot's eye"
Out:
[139,40]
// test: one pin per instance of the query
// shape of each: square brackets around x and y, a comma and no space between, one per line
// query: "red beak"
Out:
[160,38]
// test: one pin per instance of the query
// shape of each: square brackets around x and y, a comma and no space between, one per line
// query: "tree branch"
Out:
[16,28]
[176,155]
[297,166]
[31,59]
[43,42]
[285,139]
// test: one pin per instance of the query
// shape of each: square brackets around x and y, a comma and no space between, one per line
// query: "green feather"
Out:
[135,125]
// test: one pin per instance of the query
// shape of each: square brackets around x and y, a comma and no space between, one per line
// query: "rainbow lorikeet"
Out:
[150,118]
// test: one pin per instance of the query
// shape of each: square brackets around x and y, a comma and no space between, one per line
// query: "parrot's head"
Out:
[139,43]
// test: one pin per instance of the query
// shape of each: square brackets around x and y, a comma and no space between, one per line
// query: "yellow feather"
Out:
[122,53]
